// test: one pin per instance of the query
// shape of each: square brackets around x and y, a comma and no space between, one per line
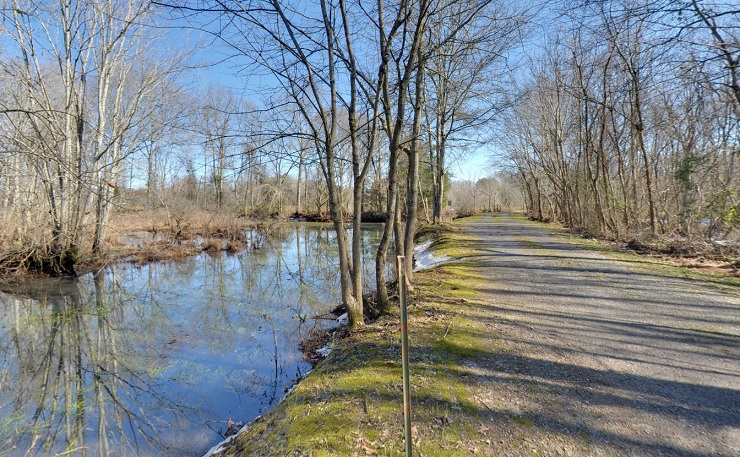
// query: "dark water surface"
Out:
[156,359]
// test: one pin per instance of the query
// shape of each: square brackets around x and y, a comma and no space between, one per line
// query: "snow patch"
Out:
[343,319]
[424,257]
[324,351]
[224,445]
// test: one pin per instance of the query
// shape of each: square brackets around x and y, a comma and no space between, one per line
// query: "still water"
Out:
[156,359]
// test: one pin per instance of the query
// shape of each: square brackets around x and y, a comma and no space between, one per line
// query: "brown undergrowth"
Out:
[142,235]
[701,255]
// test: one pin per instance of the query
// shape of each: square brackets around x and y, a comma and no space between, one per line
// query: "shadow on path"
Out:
[643,362]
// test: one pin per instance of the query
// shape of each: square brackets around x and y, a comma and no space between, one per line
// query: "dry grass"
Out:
[136,232]
[160,252]
[701,256]
[163,237]
[184,224]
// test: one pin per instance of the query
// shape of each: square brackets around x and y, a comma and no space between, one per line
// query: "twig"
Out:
[447,330]
[486,405]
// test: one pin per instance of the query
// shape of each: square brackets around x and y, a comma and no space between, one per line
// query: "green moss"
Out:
[454,244]
[352,403]
[523,421]
[428,231]
[458,290]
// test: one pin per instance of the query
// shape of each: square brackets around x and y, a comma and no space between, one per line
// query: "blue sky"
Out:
[225,69]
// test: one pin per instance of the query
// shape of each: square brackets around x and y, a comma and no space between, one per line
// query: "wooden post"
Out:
[402,293]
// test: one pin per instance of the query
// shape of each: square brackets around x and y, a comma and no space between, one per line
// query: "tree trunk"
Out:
[394,126]
[412,180]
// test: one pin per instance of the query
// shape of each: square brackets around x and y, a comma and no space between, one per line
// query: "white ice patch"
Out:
[425,257]
[324,351]
[223,445]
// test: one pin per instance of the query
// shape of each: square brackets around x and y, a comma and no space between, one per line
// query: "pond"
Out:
[158,359]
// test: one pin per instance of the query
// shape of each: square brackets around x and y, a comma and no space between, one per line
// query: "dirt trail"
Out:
[603,356]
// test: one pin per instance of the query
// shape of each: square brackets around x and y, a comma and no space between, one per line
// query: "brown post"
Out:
[402,292]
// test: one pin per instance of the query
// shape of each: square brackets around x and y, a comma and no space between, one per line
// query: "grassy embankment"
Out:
[351,404]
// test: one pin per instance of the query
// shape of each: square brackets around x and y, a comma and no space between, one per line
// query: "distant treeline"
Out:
[628,125]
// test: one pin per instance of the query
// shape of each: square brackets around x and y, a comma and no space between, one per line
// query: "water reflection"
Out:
[155,360]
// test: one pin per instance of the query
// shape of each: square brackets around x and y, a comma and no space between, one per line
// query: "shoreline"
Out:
[314,346]
[220,232]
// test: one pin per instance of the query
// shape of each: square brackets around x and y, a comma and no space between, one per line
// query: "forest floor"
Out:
[532,342]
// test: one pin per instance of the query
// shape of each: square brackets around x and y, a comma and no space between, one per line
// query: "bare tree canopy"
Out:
[77,84]
[630,123]
[623,124]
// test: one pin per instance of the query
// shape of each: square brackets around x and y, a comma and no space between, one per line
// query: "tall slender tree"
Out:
[83,84]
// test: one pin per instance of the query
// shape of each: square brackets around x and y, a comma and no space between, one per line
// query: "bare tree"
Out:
[403,61]
[630,129]
[468,63]
[220,127]
[309,52]
[83,86]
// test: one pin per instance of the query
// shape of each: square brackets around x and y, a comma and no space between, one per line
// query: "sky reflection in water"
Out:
[154,360]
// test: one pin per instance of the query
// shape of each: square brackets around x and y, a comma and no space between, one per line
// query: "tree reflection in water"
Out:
[74,382]
[154,360]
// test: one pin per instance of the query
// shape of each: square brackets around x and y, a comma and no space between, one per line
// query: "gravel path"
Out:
[603,356]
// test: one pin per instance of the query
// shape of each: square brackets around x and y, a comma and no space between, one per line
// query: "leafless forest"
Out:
[628,122]
[617,118]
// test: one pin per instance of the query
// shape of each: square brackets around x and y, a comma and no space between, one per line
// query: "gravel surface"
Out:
[603,356]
